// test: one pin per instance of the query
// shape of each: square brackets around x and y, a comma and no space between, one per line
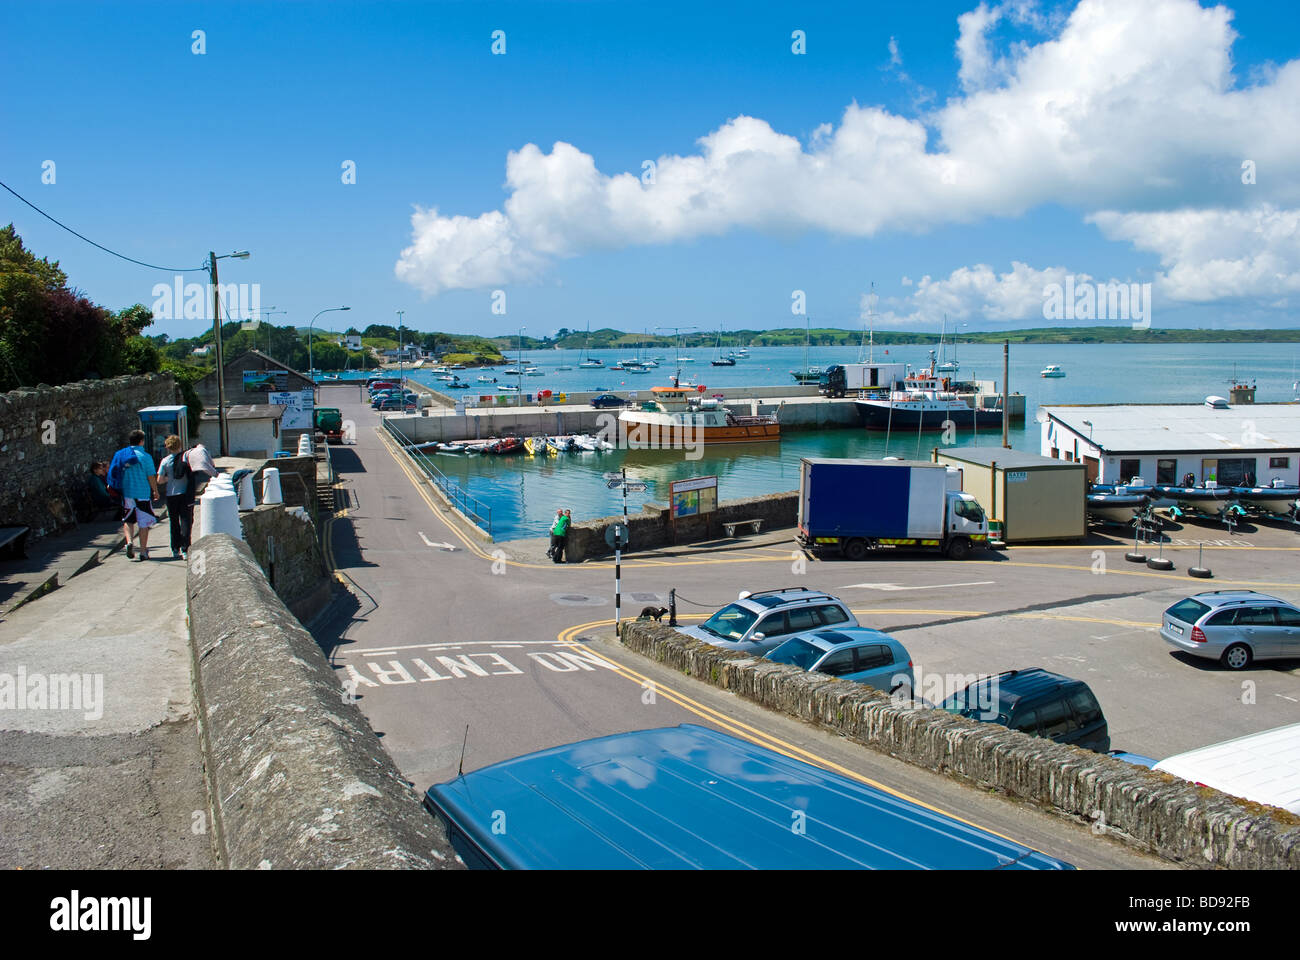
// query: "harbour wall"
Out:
[296,777]
[283,541]
[50,435]
[653,526]
[1160,814]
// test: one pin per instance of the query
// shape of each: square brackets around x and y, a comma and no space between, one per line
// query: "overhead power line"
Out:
[151,266]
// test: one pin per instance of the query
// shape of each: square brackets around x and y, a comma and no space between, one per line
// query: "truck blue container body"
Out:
[860,505]
[687,797]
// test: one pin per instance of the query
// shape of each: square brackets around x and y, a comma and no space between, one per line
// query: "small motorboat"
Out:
[637,370]
[486,379]
[507,388]
[724,362]
[1210,500]
[584,443]
[1052,371]
[532,372]
[685,359]
[479,446]
[558,445]
[458,385]
[535,446]
[1276,500]
[506,445]
[512,371]
[1118,506]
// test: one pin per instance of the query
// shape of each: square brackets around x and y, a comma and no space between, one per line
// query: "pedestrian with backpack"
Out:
[174,476]
[131,474]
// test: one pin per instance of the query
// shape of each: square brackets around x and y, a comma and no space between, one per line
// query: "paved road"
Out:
[481,636]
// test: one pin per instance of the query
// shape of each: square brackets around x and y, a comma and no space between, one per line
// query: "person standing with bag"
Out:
[175,477]
[131,474]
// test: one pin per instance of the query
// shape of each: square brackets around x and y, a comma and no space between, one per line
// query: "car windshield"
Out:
[731,622]
[800,653]
[1188,611]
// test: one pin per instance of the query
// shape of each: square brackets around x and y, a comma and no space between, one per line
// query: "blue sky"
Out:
[163,154]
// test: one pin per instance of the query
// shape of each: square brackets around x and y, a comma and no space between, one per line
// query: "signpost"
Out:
[616,535]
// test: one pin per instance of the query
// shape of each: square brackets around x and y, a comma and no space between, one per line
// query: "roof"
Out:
[1263,767]
[1017,685]
[1010,459]
[839,636]
[688,797]
[250,411]
[859,461]
[1135,428]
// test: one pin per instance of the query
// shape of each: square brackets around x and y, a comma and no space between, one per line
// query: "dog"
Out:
[653,613]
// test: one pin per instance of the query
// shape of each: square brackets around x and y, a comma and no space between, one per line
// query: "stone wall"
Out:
[50,435]
[296,777]
[285,544]
[1160,814]
[652,527]
[295,494]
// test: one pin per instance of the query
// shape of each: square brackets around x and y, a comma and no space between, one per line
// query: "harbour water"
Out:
[524,492]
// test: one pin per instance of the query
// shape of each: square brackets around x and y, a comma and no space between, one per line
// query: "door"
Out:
[1259,628]
[874,666]
[1092,467]
[1288,623]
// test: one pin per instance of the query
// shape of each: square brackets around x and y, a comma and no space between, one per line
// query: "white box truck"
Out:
[856,506]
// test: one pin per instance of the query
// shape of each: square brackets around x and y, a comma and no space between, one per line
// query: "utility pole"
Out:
[221,366]
[401,367]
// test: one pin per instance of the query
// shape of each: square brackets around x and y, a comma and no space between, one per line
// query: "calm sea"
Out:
[525,492]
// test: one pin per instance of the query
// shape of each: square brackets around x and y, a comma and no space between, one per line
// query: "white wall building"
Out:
[1161,443]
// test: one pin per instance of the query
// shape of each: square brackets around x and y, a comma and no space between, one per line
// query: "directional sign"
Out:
[616,535]
[613,476]
[613,484]
[635,487]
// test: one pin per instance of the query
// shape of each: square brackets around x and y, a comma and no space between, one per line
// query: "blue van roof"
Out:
[688,797]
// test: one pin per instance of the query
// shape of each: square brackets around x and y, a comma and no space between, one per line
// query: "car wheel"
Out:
[959,549]
[855,549]
[1236,657]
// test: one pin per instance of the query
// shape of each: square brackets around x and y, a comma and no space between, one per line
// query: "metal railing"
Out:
[476,510]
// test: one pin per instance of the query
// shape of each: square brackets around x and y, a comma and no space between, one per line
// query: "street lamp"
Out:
[216,321]
[310,366]
[520,401]
[401,367]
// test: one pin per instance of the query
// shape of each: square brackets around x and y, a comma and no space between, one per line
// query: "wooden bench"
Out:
[754,526]
[13,541]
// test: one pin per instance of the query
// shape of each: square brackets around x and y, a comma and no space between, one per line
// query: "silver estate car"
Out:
[1235,627]
[761,621]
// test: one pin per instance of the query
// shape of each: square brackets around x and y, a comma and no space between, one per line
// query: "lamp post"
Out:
[216,321]
[520,401]
[401,366]
[310,366]
[269,311]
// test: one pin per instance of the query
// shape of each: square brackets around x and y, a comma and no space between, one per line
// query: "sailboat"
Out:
[807,374]
[719,360]
[588,362]
[945,365]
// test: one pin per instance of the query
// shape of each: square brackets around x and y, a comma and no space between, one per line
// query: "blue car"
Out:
[687,797]
[859,654]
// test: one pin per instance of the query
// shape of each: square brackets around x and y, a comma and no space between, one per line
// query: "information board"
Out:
[692,497]
[300,406]
[265,381]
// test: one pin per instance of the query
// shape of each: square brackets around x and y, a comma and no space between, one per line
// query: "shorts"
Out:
[138,512]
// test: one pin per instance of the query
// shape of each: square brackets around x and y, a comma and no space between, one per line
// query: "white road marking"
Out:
[380,651]
[438,544]
[926,586]
[1285,697]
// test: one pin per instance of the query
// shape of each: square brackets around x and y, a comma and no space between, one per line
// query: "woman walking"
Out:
[174,477]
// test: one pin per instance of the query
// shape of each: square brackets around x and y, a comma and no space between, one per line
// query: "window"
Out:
[1086,707]
[1026,722]
[1255,616]
[1188,611]
[804,618]
[837,664]
[968,509]
[833,614]
[874,655]
[1223,618]
[731,622]
[1166,471]
[1128,469]
[773,626]
[1236,472]
[796,652]
[1056,719]
[1279,463]
[1288,617]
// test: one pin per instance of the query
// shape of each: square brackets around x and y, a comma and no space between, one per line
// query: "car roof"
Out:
[1014,686]
[828,640]
[689,797]
[1219,598]
[767,599]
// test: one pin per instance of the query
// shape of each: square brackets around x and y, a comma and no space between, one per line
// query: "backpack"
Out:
[180,466]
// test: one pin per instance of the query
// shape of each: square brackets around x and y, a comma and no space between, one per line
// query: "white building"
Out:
[350,342]
[1161,443]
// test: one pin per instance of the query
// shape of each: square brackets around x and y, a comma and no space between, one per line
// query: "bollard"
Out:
[1199,571]
[304,444]
[1160,562]
[219,513]
[1134,556]
[672,607]
[271,486]
[246,499]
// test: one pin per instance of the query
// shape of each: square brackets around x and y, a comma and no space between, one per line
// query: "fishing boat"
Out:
[676,418]
[926,402]
[1052,371]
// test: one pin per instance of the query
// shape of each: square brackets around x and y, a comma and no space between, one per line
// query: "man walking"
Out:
[132,473]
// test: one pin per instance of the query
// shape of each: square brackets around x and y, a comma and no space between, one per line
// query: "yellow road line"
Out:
[753,734]
[1124,571]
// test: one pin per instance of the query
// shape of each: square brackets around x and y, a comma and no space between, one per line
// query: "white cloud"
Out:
[1125,107]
